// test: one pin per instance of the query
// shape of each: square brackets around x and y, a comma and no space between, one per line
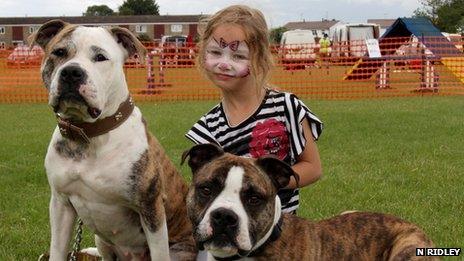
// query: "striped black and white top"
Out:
[274,128]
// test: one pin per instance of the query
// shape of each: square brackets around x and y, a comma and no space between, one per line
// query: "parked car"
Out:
[456,39]
[25,56]
[176,50]
[297,49]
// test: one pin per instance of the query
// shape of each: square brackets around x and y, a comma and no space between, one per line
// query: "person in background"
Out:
[324,50]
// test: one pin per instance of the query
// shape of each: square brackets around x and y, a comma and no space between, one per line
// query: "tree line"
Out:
[446,15]
[128,7]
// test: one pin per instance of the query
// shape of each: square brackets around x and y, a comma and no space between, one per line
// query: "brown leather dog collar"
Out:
[82,132]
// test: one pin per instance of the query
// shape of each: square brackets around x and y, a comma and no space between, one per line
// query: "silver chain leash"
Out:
[77,241]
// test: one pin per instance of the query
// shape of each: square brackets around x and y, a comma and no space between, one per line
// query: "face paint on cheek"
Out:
[242,70]
[245,70]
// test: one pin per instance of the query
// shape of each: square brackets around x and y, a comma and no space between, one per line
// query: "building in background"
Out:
[383,23]
[317,27]
[16,30]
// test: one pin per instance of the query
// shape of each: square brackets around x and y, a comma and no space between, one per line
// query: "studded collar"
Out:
[82,132]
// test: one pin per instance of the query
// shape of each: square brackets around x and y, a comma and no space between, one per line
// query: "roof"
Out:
[384,23]
[84,20]
[314,25]
[416,26]
[426,33]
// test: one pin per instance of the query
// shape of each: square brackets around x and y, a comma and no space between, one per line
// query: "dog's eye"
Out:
[254,200]
[100,58]
[60,52]
[205,191]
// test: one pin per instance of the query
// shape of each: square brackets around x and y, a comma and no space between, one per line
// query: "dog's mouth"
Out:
[222,243]
[74,107]
[222,246]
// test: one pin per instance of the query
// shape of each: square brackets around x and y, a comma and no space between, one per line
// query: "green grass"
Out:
[400,156]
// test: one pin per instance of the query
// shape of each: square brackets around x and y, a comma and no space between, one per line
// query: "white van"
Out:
[348,40]
[175,50]
[297,48]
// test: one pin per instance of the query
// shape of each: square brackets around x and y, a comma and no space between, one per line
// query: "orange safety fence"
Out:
[408,66]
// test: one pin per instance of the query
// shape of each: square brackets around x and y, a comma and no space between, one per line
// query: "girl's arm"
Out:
[308,165]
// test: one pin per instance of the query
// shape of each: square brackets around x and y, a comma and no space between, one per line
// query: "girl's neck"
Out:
[241,104]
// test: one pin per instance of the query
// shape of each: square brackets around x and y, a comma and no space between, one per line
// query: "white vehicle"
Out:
[297,48]
[25,56]
[456,39]
[175,50]
[349,39]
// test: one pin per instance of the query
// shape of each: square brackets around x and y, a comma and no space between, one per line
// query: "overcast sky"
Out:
[277,12]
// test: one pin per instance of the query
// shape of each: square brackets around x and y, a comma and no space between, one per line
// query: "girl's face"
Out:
[227,57]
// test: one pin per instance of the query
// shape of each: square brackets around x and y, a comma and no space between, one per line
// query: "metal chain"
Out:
[77,241]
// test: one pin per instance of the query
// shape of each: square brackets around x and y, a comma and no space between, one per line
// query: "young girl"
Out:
[251,119]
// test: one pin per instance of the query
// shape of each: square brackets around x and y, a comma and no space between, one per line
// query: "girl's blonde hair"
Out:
[254,26]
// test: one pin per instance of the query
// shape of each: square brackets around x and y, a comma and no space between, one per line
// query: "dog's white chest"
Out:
[97,181]
[107,159]
[101,175]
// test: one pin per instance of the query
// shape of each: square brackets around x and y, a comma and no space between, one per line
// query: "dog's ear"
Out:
[46,32]
[201,154]
[128,40]
[279,171]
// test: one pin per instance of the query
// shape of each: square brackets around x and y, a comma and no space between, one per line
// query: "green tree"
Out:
[139,7]
[276,34]
[429,9]
[450,16]
[447,15]
[460,26]
[144,37]
[98,10]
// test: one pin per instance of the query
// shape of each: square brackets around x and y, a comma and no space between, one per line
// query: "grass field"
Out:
[401,156]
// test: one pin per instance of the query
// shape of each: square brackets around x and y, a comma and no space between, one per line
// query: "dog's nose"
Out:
[72,74]
[224,218]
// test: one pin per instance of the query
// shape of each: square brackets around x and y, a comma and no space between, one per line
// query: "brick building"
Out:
[16,30]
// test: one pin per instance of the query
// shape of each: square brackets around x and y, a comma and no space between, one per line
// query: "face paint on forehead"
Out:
[231,58]
[232,45]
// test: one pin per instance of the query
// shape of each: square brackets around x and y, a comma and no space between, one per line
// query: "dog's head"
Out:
[232,201]
[83,68]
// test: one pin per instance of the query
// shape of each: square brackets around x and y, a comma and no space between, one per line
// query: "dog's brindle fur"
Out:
[351,236]
[153,189]
[354,236]
[155,160]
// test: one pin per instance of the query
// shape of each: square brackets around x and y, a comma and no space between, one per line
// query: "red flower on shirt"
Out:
[269,138]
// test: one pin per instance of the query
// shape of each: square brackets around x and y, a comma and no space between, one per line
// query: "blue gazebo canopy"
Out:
[426,33]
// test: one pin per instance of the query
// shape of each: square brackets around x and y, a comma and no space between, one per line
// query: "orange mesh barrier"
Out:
[408,67]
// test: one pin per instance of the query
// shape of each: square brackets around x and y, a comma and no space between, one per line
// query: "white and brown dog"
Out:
[236,215]
[102,163]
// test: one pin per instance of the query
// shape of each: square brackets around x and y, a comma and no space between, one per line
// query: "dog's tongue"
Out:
[94,112]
